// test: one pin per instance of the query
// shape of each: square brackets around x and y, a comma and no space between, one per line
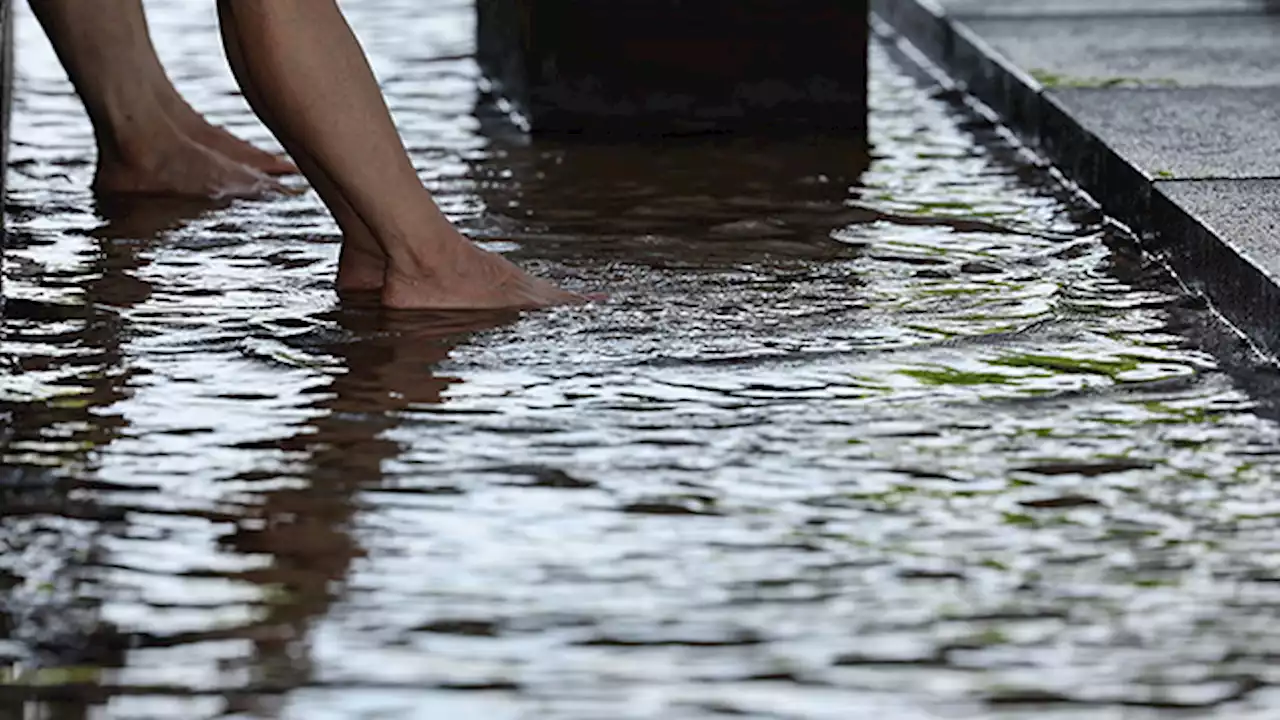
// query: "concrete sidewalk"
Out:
[1167,112]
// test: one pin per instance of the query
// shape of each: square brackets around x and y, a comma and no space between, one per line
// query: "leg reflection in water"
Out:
[54,637]
[307,531]
[286,552]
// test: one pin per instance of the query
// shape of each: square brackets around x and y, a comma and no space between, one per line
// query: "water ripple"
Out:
[910,434]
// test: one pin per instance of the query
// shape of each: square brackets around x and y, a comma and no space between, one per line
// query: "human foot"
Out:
[232,147]
[464,277]
[180,167]
[197,128]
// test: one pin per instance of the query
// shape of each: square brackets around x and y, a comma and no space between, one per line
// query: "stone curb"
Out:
[1208,263]
[6,104]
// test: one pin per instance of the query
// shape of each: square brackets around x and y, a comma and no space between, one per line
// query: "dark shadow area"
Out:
[669,200]
[146,218]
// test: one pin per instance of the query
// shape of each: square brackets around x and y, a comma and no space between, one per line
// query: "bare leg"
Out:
[307,77]
[149,139]
[363,264]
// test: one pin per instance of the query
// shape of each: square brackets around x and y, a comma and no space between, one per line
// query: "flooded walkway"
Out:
[815,458]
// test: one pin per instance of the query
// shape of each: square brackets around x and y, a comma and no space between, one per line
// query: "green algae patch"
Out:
[1019,519]
[1163,413]
[1050,80]
[950,376]
[51,677]
[1107,368]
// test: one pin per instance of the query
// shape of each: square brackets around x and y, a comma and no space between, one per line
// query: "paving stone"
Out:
[1219,50]
[1244,212]
[1028,8]
[1223,237]
[1185,132]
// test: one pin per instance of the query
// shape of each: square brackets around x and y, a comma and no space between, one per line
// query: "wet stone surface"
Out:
[817,457]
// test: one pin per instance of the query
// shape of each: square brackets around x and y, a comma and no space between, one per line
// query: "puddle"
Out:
[823,453]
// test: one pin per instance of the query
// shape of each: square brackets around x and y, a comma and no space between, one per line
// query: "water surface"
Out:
[809,461]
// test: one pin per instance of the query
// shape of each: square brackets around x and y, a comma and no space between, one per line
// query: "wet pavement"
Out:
[911,434]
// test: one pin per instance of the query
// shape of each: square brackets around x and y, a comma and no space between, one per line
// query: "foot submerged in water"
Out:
[482,281]
[454,275]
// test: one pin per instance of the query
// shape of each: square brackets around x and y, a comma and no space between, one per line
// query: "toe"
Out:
[276,165]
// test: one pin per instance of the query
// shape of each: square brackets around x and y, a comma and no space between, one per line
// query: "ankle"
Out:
[135,125]
[424,239]
[140,142]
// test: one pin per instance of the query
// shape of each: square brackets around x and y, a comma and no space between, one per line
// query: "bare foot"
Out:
[464,277]
[222,141]
[181,167]
[195,126]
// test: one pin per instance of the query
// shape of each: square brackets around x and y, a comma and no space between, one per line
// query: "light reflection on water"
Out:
[809,461]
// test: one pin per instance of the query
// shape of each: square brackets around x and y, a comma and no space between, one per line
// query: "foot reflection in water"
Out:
[383,366]
[70,373]
[698,203]
[131,225]
[109,597]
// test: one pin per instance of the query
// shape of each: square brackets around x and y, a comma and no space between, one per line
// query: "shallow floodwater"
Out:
[822,454]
